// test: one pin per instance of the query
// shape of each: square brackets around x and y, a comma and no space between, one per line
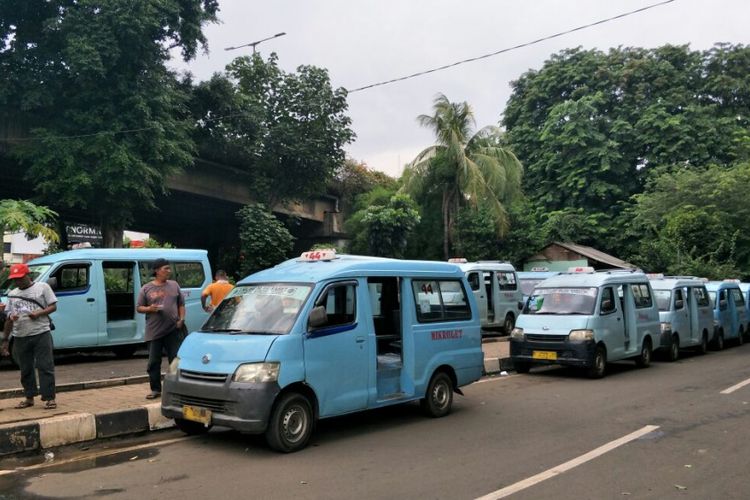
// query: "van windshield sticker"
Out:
[589,292]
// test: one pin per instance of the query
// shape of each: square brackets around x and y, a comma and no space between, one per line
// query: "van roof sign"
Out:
[458,260]
[315,255]
[581,269]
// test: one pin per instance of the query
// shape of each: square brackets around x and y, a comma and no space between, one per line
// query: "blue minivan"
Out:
[587,319]
[96,291]
[325,335]
[730,312]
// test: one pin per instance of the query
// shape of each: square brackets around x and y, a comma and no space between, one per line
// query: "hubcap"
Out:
[294,423]
[440,395]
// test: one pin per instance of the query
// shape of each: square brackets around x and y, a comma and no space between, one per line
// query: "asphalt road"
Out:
[506,430]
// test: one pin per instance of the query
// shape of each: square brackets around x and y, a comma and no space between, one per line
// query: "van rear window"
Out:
[440,300]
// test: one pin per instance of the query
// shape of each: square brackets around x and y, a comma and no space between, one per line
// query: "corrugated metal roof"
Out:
[594,254]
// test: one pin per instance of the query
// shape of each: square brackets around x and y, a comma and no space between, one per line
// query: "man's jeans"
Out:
[170,343]
[33,352]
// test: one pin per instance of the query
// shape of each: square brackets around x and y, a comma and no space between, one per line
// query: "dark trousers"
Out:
[169,343]
[34,354]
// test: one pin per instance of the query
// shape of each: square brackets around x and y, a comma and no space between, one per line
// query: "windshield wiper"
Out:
[222,330]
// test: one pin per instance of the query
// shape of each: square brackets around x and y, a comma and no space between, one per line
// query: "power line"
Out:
[515,47]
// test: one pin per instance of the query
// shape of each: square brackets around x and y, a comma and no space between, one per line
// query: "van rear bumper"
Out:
[567,353]
[241,406]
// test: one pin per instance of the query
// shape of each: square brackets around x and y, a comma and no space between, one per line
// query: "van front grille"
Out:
[215,405]
[545,338]
[218,378]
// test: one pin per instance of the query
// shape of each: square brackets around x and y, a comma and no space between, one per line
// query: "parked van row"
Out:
[588,318]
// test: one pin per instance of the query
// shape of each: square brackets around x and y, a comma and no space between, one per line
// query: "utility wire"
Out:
[515,47]
[359,89]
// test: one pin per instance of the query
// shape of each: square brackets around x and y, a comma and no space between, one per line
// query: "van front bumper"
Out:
[244,407]
[566,353]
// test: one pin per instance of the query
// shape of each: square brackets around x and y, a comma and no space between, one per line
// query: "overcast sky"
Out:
[362,42]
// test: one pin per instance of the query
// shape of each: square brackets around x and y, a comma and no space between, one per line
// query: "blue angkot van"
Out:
[730,312]
[587,319]
[685,313]
[496,290]
[325,335]
[97,288]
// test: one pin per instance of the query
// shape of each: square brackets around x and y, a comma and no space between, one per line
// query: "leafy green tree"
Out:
[355,226]
[464,167]
[24,216]
[285,129]
[387,227]
[475,235]
[352,179]
[264,240]
[103,122]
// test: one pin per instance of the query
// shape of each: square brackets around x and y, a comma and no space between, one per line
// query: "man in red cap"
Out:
[29,307]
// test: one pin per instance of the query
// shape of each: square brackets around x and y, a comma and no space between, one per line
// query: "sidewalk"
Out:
[114,407]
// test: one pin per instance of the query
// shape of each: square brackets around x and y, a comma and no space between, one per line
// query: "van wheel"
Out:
[741,337]
[703,347]
[719,341]
[521,366]
[509,324]
[644,359]
[674,349]
[439,398]
[599,365]
[191,428]
[291,423]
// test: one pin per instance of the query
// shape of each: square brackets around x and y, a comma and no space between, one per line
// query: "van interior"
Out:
[119,287]
[385,300]
[488,278]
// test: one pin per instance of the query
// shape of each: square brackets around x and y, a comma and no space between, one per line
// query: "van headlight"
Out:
[257,373]
[517,334]
[581,335]
[666,327]
[174,366]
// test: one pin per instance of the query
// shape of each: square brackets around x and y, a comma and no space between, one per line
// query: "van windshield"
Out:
[268,308]
[7,284]
[562,301]
[663,299]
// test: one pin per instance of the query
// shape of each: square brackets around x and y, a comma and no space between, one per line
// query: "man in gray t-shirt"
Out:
[162,302]
[28,310]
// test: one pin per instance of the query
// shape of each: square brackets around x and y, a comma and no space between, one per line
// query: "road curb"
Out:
[81,386]
[74,428]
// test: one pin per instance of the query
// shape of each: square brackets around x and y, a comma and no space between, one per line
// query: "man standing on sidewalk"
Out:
[29,307]
[164,306]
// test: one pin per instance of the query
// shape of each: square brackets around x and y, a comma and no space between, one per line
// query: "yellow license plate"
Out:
[550,355]
[196,414]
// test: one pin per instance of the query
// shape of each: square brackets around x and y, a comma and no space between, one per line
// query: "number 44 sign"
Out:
[314,255]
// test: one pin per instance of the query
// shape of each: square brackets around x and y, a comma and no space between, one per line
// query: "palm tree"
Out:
[467,169]
[33,220]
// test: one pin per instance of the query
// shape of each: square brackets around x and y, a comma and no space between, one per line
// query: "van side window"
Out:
[722,300]
[737,297]
[440,300]
[188,274]
[608,301]
[641,295]
[701,296]
[72,277]
[679,301]
[506,280]
[340,302]
[473,281]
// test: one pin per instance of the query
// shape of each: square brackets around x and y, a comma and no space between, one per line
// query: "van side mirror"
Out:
[318,317]
[607,306]
[679,304]
[520,305]
[52,282]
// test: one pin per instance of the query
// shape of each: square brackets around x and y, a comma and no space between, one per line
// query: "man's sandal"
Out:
[50,405]
[24,404]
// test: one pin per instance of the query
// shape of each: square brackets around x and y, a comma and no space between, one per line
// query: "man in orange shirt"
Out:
[216,290]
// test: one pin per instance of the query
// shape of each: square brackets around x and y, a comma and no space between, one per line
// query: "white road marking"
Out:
[735,387]
[102,453]
[556,471]
[492,379]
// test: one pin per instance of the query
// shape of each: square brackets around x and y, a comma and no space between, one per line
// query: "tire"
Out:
[741,337]
[191,428]
[521,366]
[124,351]
[644,358]
[291,423]
[674,349]
[438,400]
[599,366]
[509,323]
[719,342]
[703,347]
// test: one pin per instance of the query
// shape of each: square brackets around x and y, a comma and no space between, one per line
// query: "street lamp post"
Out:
[253,44]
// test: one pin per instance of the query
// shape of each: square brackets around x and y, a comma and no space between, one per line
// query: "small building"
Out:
[561,256]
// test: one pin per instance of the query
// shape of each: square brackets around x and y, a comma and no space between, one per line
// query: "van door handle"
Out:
[90,300]
[360,340]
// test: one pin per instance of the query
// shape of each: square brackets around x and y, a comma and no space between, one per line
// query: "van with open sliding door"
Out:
[97,289]
[685,313]
[325,335]
[497,292]
[587,319]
